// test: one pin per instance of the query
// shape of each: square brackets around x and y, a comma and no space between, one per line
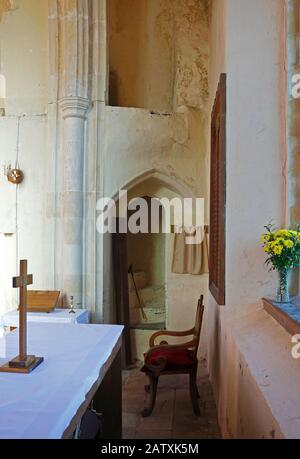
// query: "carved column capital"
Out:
[74,107]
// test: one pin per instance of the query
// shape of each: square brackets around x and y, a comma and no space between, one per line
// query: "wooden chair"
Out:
[165,359]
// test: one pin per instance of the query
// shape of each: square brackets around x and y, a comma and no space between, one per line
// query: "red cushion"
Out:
[175,358]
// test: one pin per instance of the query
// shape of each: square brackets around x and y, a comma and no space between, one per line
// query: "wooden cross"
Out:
[23,363]
[21,282]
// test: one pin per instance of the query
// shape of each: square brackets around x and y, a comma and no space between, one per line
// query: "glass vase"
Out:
[283,295]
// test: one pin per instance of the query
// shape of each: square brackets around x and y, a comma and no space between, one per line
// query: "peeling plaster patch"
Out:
[180,131]
[6,6]
[191,38]
[172,69]
[164,22]
[185,28]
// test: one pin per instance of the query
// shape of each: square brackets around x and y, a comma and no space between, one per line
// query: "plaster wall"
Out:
[158,51]
[24,56]
[248,352]
[141,54]
[23,134]
[136,141]
[293,66]
[174,145]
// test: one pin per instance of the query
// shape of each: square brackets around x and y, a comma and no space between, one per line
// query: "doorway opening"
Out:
[147,275]
[146,258]
[156,290]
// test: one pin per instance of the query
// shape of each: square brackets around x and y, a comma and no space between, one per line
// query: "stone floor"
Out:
[173,416]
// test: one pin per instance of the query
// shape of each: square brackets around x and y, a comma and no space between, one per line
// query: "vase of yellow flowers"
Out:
[283,249]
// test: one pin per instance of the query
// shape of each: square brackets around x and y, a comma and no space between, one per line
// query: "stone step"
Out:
[140,281]
[151,297]
[154,315]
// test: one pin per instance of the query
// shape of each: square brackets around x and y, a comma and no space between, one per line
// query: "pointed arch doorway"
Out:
[141,299]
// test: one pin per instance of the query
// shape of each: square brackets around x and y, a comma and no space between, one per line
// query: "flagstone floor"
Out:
[173,416]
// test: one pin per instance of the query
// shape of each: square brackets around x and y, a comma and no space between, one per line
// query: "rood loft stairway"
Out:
[153,300]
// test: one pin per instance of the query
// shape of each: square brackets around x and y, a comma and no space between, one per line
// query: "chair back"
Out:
[198,324]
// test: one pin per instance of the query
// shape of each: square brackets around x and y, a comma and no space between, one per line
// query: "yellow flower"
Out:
[265,238]
[288,234]
[282,233]
[278,250]
[292,234]
[273,244]
[288,244]
[279,241]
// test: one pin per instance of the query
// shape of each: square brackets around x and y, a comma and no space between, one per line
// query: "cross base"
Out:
[21,366]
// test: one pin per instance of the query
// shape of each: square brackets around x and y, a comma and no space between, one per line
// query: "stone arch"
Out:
[158,184]
[173,184]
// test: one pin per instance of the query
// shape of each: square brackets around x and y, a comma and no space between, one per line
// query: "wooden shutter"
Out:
[218,194]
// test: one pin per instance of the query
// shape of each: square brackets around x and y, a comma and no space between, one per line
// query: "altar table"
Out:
[81,364]
[81,316]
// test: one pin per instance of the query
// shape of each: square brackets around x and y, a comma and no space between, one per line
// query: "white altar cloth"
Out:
[41,405]
[81,316]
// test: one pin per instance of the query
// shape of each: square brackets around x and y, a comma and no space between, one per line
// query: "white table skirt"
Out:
[81,316]
[41,405]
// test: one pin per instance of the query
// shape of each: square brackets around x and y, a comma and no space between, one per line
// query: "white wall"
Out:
[23,211]
[245,350]
[24,57]
[254,156]
[136,141]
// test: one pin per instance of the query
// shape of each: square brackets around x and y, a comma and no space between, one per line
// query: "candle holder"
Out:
[72,311]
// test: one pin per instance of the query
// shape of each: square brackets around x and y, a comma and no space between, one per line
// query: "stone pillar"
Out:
[73,111]
[74,58]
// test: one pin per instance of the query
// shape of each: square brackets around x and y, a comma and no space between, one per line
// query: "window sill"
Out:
[286,314]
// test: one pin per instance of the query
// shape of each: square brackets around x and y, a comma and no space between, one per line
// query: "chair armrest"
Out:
[162,361]
[168,333]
